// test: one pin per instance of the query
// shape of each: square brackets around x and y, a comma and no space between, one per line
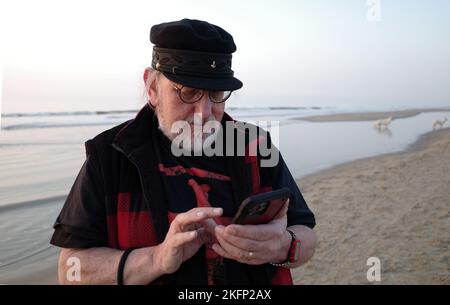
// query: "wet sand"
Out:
[395,207]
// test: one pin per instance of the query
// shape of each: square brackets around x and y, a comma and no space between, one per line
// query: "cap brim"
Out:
[213,84]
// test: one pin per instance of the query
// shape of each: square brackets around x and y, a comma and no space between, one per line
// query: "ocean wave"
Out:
[19,121]
[65,113]
[34,202]
[54,125]
[101,112]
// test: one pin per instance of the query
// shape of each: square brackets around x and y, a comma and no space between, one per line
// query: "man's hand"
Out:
[185,236]
[255,244]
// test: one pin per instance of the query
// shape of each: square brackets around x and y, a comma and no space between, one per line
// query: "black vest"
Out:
[127,157]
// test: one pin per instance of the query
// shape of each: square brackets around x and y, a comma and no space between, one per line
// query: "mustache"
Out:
[191,120]
[193,126]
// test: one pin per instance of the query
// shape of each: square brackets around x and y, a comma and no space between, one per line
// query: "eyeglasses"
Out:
[190,95]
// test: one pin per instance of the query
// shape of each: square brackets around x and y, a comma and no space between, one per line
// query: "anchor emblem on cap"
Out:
[213,65]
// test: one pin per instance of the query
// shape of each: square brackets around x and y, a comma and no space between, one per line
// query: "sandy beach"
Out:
[395,207]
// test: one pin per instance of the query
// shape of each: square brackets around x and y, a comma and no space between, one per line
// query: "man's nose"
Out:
[204,106]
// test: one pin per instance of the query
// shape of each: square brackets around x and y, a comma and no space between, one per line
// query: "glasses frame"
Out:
[201,95]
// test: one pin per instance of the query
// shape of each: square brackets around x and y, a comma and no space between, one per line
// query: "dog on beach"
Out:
[439,123]
[383,123]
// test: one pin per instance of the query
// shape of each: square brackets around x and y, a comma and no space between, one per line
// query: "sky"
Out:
[90,55]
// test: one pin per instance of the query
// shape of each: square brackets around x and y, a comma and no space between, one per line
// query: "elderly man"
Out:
[139,214]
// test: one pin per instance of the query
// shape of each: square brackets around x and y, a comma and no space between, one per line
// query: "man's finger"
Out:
[235,252]
[204,236]
[243,243]
[221,251]
[179,239]
[255,232]
[194,216]
[283,212]
[209,225]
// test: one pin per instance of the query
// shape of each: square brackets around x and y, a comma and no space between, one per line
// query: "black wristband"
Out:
[123,259]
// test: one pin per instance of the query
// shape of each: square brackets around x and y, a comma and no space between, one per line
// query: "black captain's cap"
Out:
[194,53]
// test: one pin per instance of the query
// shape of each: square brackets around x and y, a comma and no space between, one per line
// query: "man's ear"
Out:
[150,86]
[146,75]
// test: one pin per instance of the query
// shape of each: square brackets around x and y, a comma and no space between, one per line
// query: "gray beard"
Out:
[207,139]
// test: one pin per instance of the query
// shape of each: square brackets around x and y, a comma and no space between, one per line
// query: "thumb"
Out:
[283,211]
[209,225]
[204,236]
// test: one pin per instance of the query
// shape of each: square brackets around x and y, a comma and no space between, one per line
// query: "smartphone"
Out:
[261,208]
